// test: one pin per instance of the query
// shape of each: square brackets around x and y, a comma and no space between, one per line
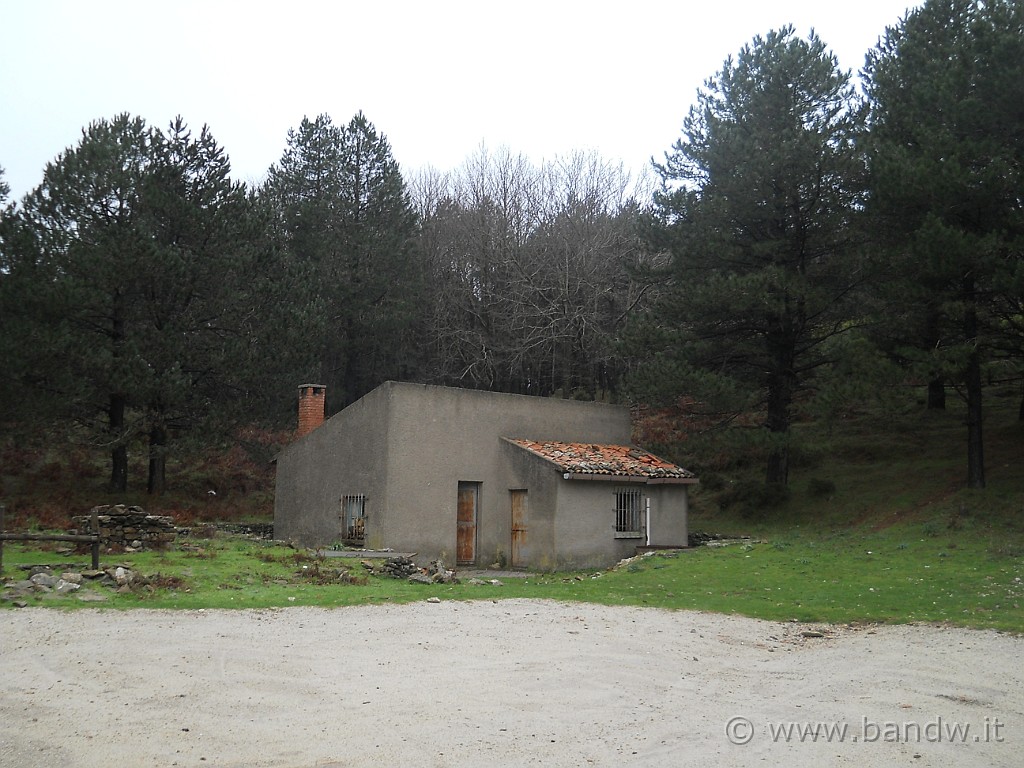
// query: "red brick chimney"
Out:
[312,398]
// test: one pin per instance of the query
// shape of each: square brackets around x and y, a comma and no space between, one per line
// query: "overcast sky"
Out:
[438,77]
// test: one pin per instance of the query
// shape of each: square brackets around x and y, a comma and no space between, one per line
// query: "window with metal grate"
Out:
[353,516]
[629,506]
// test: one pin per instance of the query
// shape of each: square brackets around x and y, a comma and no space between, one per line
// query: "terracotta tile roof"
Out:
[615,460]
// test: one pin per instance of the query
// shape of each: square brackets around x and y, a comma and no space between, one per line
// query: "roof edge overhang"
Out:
[630,478]
[600,476]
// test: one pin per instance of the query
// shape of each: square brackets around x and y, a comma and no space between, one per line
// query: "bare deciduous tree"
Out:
[529,268]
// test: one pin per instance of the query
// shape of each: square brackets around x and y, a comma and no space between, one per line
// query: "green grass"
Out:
[920,572]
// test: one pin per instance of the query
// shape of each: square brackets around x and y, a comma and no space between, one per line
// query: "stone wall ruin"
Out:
[128,526]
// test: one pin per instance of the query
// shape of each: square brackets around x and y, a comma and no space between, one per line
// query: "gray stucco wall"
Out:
[670,509]
[439,436]
[585,528]
[585,531]
[315,472]
[408,446]
[542,482]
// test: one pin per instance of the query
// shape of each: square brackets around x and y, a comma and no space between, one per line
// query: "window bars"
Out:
[353,515]
[629,510]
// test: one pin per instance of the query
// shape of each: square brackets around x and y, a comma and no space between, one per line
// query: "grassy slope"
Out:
[898,539]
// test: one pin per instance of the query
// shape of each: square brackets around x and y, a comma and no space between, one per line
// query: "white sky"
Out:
[437,77]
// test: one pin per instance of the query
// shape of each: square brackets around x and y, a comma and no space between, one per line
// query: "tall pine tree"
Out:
[346,215]
[946,91]
[76,253]
[756,206]
[135,264]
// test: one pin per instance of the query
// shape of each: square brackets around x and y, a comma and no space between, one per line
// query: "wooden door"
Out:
[465,543]
[519,514]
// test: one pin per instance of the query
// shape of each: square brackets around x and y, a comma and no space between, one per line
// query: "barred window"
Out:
[629,507]
[353,516]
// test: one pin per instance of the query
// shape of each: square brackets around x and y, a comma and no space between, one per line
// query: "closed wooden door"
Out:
[465,543]
[519,515]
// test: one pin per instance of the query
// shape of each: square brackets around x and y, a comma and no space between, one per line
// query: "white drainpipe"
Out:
[647,526]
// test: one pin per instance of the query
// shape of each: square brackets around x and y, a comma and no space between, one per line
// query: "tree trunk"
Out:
[780,398]
[157,483]
[119,453]
[937,386]
[118,401]
[975,443]
[781,384]
[936,395]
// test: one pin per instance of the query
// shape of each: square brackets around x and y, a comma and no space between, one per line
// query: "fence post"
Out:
[95,530]
[2,510]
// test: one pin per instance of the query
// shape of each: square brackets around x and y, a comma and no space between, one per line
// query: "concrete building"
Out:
[476,478]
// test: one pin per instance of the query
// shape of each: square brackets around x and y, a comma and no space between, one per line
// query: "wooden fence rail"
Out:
[82,538]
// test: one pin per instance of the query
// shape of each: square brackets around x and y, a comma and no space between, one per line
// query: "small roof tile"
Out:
[594,459]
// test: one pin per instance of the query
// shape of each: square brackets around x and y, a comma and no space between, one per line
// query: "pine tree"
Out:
[197,292]
[946,89]
[346,216]
[757,201]
[75,251]
[135,262]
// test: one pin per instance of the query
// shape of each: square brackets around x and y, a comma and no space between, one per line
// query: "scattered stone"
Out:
[404,568]
[260,531]
[433,599]
[496,583]
[64,587]
[812,633]
[72,577]
[44,579]
[476,582]
[92,597]
[441,575]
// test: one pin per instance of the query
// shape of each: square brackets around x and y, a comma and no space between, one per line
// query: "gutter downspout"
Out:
[647,522]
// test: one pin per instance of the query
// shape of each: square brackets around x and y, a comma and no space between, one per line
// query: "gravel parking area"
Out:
[508,682]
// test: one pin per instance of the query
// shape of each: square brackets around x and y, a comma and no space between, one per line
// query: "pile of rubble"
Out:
[394,567]
[42,581]
[405,568]
[128,526]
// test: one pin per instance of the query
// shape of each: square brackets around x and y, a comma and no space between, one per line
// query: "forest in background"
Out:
[810,246]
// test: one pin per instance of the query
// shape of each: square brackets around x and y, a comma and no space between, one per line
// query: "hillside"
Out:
[868,469]
[48,476]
